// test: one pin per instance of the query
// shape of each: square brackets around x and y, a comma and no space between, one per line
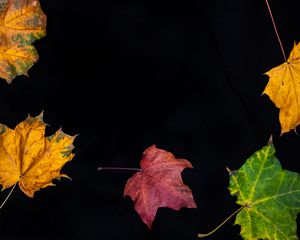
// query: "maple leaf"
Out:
[284,90]
[21,23]
[159,184]
[30,159]
[271,197]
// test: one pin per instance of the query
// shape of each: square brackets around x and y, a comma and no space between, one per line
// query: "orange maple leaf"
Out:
[284,90]
[29,158]
[21,23]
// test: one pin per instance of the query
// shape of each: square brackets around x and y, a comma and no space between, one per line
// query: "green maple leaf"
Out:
[271,197]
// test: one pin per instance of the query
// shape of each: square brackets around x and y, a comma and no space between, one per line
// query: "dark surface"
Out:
[187,76]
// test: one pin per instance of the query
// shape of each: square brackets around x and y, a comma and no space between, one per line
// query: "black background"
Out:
[186,76]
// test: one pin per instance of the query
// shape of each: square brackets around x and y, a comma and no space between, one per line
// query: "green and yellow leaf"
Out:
[271,197]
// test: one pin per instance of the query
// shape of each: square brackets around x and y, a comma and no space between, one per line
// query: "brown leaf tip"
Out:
[230,172]
[38,118]
[270,140]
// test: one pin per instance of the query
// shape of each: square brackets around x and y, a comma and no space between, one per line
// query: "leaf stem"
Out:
[13,188]
[119,168]
[201,235]
[276,31]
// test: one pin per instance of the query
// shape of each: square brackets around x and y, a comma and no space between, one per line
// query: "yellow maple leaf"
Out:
[29,158]
[284,90]
[21,23]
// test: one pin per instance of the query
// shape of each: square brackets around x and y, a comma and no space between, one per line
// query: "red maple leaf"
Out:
[159,184]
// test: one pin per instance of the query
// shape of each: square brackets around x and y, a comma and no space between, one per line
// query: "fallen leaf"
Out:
[159,184]
[284,90]
[21,23]
[30,159]
[271,197]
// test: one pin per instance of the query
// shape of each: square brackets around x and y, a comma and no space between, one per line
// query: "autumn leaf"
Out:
[21,23]
[30,159]
[284,90]
[271,197]
[159,184]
